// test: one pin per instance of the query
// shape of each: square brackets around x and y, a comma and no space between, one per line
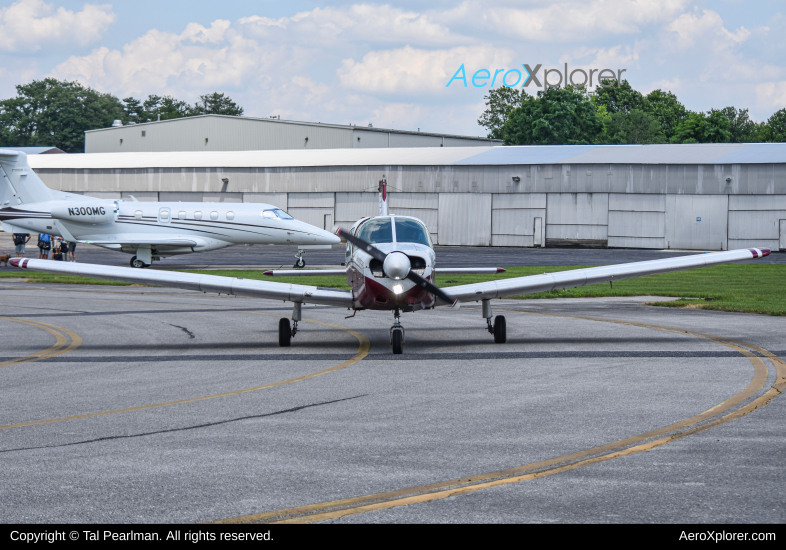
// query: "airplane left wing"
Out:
[192,281]
[594,275]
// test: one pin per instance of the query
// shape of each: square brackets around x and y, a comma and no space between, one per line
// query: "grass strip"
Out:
[747,288]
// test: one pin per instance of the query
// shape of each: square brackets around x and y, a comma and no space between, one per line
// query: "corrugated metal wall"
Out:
[513,218]
[697,222]
[465,219]
[619,206]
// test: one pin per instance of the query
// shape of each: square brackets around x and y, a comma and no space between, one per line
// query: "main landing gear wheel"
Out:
[397,339]
[500,330]
[284,333]
[138,263]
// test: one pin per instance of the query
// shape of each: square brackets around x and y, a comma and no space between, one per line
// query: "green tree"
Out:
[616,99]
[741,126]
[557,116]
[215,104]
[499,104]
[635,127]
[777,126]
[165,108]
[666,109]
[53,113]
[701,128]
[133,111]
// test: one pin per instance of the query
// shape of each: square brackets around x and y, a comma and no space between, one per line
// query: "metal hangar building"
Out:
[697,197]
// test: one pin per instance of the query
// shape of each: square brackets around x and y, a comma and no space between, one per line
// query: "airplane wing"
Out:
[304,272]
[143,239]
[192,281]
[593,275]
[438,271]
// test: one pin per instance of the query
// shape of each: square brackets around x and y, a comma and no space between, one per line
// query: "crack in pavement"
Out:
[186,428]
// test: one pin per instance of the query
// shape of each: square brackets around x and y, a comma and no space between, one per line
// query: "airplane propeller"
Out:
[396,265]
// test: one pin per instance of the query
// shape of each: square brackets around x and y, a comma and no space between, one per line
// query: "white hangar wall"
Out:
[701,206]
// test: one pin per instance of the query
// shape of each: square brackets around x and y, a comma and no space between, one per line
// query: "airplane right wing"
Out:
[191,281]
[594,275]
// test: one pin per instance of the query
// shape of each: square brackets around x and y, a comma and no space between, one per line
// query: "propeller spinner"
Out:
[396,265]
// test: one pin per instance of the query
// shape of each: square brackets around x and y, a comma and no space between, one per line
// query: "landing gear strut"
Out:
[300,262]
[286,331]
[397,334]
[499,327]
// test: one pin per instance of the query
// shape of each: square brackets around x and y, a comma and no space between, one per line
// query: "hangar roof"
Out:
[723,153]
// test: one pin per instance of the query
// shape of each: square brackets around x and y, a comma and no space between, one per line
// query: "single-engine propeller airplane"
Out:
[391,265]
[147,230]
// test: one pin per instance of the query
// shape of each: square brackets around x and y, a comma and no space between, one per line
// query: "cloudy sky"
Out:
[388,63]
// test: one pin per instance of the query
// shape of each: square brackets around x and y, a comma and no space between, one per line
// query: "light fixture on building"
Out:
[225,181]
[516,179]
[728,180]
[205,141]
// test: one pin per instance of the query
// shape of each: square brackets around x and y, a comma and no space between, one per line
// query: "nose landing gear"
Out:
[397,334]
[300,262]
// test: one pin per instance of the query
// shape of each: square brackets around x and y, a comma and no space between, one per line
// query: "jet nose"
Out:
[326,237]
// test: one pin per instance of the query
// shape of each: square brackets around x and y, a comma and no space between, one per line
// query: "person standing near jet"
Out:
[20,240]
[44,244]
[71,251]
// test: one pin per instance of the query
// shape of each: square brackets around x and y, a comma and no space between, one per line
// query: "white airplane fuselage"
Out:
[121,224]
[150,230]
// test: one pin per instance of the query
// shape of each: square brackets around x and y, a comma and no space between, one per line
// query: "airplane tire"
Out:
[500,330]
[138,263]
[284,333]
[301,263]
[398,342]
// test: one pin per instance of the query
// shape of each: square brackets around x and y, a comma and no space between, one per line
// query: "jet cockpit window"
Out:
[276,213]
[377,231]
[410,231]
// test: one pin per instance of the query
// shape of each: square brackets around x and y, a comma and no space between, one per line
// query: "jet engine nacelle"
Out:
[98,212]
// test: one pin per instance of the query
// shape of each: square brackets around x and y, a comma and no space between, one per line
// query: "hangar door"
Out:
[465,219]
[697,222]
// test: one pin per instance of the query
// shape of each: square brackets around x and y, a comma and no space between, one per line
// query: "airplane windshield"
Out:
[410,231]
[276,213]
[377,231]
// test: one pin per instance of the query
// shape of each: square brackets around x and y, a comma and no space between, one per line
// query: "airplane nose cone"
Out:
[326,237]
[396,265]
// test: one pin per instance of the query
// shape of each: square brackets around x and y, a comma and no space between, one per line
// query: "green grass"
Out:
[744,288]
[733,287]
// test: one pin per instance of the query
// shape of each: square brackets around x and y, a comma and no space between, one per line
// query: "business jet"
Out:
[147,230]
[391,266]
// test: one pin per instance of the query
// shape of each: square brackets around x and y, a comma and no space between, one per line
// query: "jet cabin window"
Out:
[410,231]
[377,231]
[197,215]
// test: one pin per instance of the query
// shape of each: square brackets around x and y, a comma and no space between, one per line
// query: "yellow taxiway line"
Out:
[65,342]
[631,445]
[363,348]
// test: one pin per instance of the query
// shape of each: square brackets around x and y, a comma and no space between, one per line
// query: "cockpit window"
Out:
[377,231]
[276,213]
[410,231]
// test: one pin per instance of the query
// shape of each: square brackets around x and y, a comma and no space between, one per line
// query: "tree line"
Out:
[617,115]
[53,113]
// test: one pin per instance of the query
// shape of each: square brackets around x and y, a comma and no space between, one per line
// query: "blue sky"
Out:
[388,63]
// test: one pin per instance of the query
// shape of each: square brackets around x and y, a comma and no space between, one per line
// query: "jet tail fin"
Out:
[20,184]
[383,198]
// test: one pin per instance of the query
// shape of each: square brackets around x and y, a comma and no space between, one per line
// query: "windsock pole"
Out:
[383,197]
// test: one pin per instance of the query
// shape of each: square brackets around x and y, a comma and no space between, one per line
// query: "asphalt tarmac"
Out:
[132,404]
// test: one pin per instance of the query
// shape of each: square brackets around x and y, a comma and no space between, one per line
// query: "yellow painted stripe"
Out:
[362,351]
[644,442]
[60,346]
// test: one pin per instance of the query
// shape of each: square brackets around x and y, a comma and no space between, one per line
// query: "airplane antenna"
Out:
[383,197]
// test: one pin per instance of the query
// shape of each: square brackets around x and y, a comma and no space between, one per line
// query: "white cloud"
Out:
[360,22]
[574,21]
[771,96]
[691,28]
[414,71]
[198,59]
[32,25]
